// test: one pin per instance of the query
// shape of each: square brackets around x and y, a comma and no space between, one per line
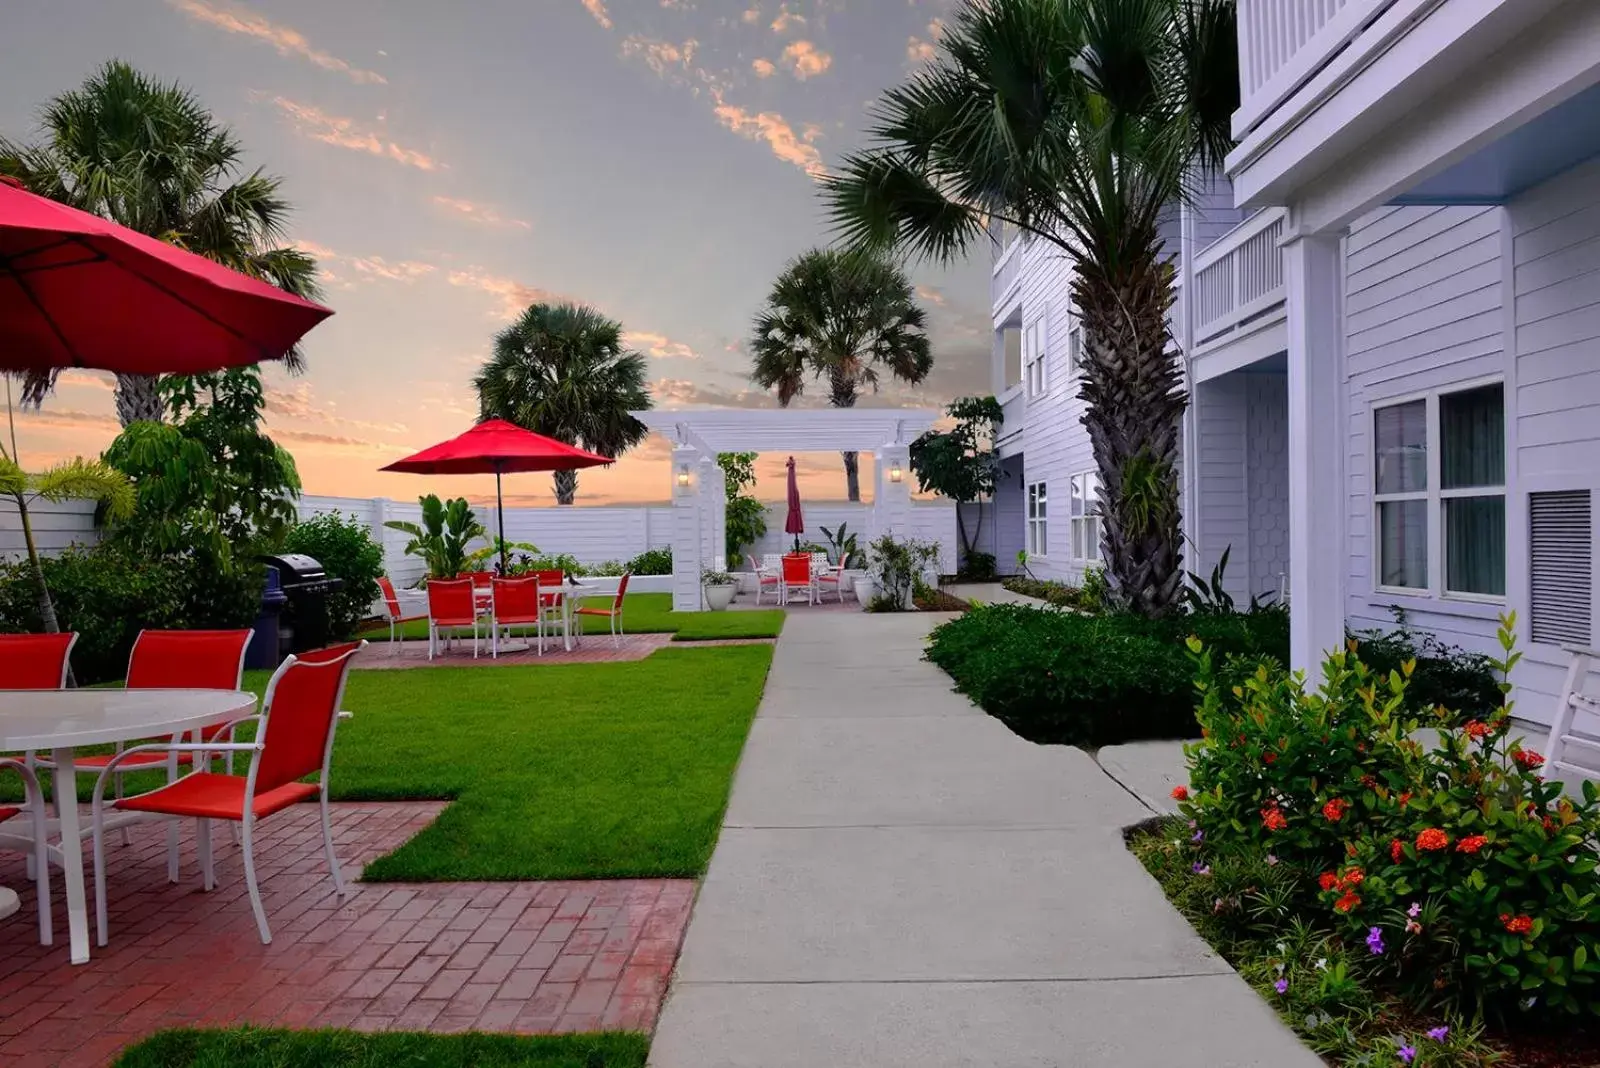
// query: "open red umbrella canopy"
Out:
[79,291]
[496,446]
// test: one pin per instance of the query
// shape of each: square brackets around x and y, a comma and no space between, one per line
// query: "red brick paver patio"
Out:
[525,957]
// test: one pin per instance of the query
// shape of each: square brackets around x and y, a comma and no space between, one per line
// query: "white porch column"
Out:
[713,496]
[891,501]
[1313,286]
[687,525]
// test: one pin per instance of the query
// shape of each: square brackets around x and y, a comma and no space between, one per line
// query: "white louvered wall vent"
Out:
[1561,534]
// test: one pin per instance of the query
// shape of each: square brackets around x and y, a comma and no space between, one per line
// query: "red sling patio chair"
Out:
[516,604]
[452,606]
[394,613]
[294,739]
[797,576]
[553,602]
[613,614]
[33,662]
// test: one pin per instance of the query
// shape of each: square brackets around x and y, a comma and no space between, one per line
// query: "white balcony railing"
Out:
[1238,279]
[1284,43]
[1007,268]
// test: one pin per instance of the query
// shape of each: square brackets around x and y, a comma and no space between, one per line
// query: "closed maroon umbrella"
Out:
[794,523]
[79,291]
[496,446]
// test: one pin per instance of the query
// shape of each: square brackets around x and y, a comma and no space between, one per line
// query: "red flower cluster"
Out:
[1405,798]
[1269,757]
[1354,877]
[1334,810]
[1516,924]
[1349,901]
[1328,881]
[1273,819]
[1477,729]
[1471,844]
[1528,758]
[1180,793]
[1433,839]
[1396,850]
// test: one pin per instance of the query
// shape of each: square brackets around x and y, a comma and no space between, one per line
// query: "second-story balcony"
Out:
[1238,291]
[1007,270]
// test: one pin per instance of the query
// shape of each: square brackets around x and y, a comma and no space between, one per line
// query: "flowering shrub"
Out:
[1468,879]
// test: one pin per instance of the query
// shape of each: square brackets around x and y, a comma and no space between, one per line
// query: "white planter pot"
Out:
[866,589]
[718,598]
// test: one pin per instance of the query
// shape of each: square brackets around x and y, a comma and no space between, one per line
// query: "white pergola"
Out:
[700,505]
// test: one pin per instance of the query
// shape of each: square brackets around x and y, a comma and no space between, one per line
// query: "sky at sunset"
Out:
[452,162]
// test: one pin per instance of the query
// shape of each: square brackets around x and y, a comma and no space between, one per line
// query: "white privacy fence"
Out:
[593,535]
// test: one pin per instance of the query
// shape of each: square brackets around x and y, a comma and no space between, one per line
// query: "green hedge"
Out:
[1060,677]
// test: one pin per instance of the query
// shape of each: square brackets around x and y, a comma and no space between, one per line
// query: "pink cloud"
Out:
[659,345]
[806,60]
[764,68]
[481,213]
[792,147]
[513,296]
[234,18]
[597,8]
[343,132]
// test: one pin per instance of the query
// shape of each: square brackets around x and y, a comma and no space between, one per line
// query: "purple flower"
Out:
[1199,836]
[1281,986]
[1407,1054]
[1272,861]
[1438,1034]
[1201,869]
[1415,910]
[1375,941]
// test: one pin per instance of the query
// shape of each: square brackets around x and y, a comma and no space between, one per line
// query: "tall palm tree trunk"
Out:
[566,486]
[41,589]
[1135,402]
[842,392]
[138,399]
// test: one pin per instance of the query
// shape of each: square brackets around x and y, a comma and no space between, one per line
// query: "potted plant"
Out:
[866,587]
[717,587]
[894,567]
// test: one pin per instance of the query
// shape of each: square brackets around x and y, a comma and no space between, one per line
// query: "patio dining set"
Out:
[799,575]
[482,601]
[178,713]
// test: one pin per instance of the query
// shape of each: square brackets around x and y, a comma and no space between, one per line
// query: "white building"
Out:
[1392,342]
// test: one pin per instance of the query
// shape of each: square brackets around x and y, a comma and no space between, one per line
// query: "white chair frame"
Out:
[1573,700]
[247,815]
[36,844]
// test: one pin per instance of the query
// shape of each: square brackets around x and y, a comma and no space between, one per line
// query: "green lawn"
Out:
[651,613]
[575,771]
[252,1048]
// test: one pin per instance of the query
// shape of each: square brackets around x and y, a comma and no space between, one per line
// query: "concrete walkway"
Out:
[903,882]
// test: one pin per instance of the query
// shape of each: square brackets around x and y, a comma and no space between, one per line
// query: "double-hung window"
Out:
[1439,493]
[1074,346]
[1085,513]
[1033,358]
[1038,520]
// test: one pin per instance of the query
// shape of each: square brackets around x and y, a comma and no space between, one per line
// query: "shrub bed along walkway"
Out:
[901,881]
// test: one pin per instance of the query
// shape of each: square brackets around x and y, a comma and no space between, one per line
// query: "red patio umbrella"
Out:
[794,523]
[79,291]
[496,446]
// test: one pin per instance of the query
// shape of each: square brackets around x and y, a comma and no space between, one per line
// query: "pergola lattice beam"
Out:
[790,429]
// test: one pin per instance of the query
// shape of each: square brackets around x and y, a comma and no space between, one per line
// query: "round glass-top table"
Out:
[62,720]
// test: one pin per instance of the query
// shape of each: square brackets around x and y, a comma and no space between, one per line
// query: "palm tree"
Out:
[840,315]
[75,479]
[149,155]
[1083,122]
[561,370]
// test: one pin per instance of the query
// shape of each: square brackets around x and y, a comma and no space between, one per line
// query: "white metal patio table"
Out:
[63,720]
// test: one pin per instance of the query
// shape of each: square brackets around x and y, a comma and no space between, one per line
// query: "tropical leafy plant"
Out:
[844,317]
[712,577]
[745,519]
[497,549]
[149,155]
[896,564]
[209,482]
[561,370]
[961,463]
[75,479]
[842,543]
[1083,123]
[441,539]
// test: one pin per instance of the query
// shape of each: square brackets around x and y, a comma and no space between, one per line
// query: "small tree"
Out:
[746,518]
[961,463]
[441,539]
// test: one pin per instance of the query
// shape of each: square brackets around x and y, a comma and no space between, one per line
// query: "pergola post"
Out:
[714,500]
[891,498]
[688,521]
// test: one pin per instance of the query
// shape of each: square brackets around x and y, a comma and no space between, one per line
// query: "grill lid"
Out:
[296,568]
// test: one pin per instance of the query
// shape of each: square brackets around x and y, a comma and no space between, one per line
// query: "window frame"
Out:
[1035,348]
[1074,347]
[1089,519]
[1036,526]
[1434,494]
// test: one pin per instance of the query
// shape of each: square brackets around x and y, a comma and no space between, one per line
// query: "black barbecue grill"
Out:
[303,624]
